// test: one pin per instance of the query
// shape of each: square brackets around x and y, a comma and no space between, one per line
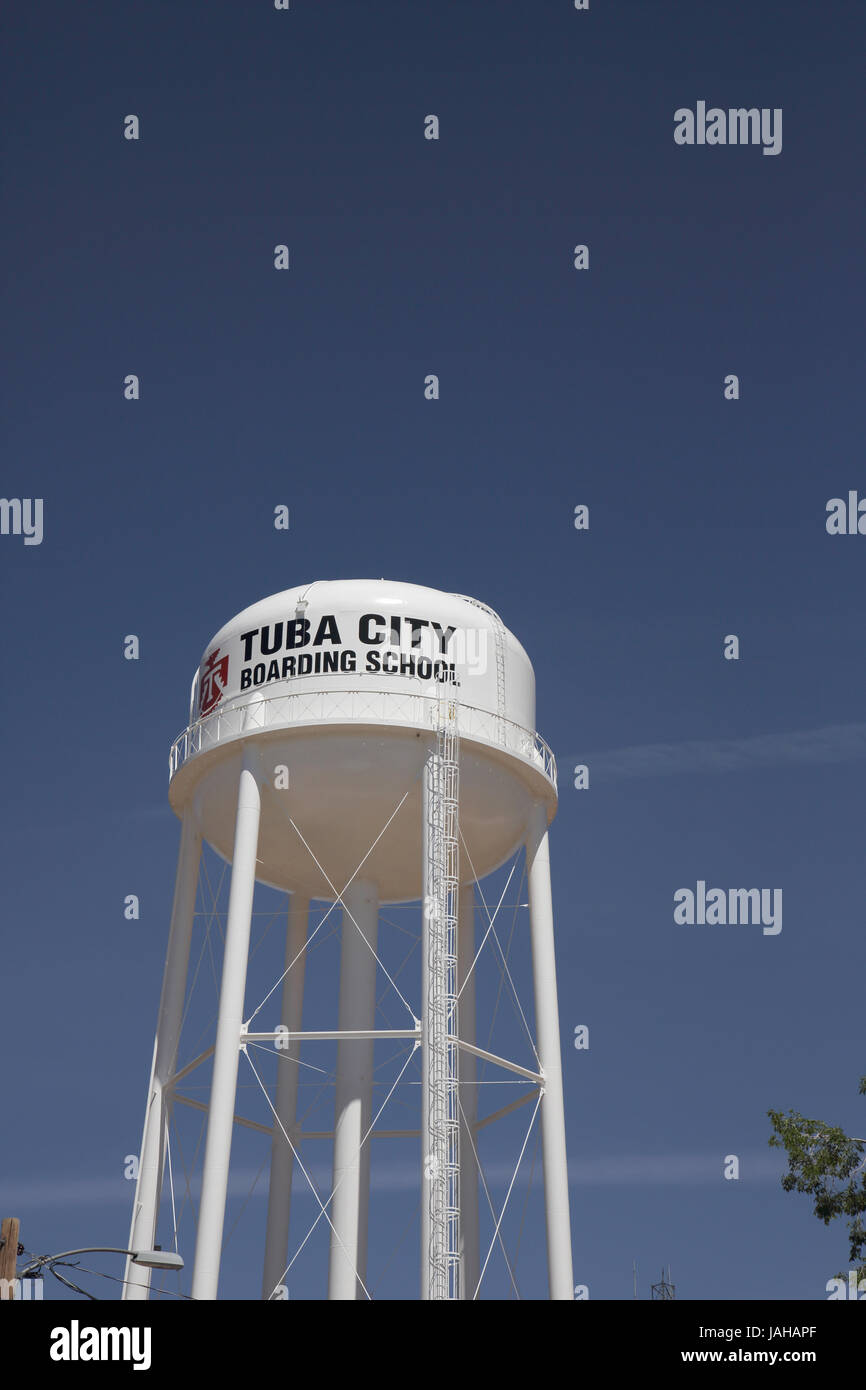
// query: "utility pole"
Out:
[8,1255]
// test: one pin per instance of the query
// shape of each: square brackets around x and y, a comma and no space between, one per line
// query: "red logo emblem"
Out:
[214,679]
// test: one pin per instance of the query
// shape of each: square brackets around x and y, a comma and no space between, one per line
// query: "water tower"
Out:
[361,743]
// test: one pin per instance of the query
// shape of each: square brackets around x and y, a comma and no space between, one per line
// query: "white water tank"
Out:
[338,683]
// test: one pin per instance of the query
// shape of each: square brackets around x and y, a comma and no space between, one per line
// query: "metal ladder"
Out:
[442,908]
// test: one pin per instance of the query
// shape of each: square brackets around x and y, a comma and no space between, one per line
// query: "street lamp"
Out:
[151,1259]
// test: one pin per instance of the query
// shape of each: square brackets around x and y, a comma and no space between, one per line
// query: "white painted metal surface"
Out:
[353,1105]
[558,1219]
[398,723]
[149,1181]
[353,729]
[215,1175]
[469,1230]
[285,1104]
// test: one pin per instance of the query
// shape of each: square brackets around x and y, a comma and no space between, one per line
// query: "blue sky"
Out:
[558,387]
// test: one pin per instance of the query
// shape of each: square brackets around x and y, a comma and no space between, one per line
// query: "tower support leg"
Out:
[215,1174]
[353,1110]
[469,1237]
[428,791]
[148,1189]
[547,1035]
[282,1158]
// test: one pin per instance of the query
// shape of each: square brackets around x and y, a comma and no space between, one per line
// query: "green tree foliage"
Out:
[831,1167]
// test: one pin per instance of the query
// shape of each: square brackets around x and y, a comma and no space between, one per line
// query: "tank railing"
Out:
[350,706]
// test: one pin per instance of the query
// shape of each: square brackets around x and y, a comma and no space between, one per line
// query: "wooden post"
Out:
[8,1255]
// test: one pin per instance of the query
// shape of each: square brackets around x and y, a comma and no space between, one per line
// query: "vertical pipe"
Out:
[428,788]
[353,1107]
[469,1237]
[547,1034]
[215,1174]
[282,1158]
[149,1184]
